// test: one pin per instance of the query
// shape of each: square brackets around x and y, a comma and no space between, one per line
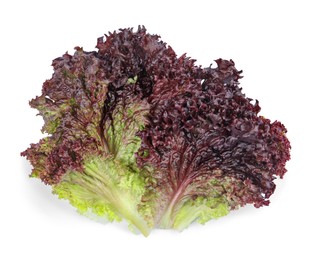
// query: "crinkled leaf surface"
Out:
[135,132]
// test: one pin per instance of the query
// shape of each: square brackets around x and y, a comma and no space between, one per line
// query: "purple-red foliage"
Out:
[201,127]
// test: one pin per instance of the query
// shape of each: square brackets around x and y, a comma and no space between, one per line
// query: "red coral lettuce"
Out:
[136,132]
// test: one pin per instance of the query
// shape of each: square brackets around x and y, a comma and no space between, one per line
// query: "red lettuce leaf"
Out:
[205,136]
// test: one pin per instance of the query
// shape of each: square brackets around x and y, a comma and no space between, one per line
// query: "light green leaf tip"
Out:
[200,210]
[107,188]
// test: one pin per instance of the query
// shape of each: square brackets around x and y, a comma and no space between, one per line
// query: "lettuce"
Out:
[136,133]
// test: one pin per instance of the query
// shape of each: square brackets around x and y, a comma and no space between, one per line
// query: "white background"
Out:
[269,40]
